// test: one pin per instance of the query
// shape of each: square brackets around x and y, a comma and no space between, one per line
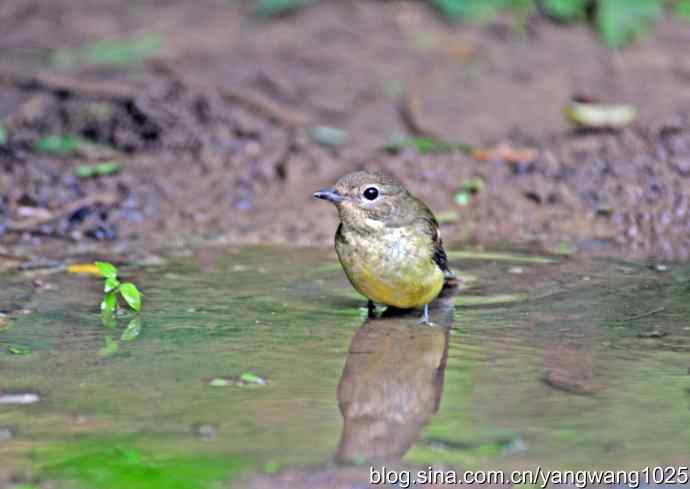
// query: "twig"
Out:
[409,108]
[64,84]
[254,101]
[265,106]
[65,210]
[642,315]
[120,92]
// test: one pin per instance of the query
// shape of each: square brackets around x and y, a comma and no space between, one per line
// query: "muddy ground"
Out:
[215,132]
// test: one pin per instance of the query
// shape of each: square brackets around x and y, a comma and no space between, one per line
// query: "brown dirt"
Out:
[214,133]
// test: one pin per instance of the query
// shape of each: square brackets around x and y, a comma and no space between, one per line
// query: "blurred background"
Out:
[139,132]
[557,123]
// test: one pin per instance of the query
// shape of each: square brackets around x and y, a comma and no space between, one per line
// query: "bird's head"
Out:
[369,200]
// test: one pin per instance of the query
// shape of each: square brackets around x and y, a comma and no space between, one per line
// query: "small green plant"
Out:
[98,169]
[130,295]
[616,21]
[427,146]
[58,144]
[112,288]
[109,52]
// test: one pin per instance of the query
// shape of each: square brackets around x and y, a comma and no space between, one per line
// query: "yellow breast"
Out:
[394,267]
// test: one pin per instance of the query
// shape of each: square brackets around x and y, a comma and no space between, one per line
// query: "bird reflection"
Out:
[392,382]
[390,387]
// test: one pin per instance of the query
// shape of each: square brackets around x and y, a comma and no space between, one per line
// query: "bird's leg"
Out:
[371,308]
[425,317]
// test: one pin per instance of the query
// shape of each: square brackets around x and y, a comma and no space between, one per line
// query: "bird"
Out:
[388,241]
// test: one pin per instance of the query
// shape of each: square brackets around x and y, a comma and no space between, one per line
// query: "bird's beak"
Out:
[330,194]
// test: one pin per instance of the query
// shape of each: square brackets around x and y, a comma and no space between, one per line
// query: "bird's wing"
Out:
[439,256]
[431,228]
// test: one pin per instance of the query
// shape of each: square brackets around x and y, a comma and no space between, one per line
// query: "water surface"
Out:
[562,363]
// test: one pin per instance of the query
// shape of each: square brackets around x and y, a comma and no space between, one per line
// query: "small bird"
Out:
[388,241]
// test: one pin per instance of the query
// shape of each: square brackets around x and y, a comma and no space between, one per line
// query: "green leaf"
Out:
[111,283]
[108,52]
[3,135]
[278,7]
[477,10]
[271,467]
[57,144]
[620,21]
[132,330]
[473,185]
[109,301]
[565,10]
[111,347]
[427,145]
[131,295]
[107,270]
[219,382]
[108,318]
[462,198]
[97,170]
[18,350]
[249,378]
[682,9]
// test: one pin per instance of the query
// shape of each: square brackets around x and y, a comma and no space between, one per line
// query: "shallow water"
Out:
[561,363]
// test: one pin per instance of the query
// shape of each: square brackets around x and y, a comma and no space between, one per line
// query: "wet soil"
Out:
[215,133]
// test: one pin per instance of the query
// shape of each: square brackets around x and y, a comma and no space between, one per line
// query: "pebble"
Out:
[21,398]
[206,431]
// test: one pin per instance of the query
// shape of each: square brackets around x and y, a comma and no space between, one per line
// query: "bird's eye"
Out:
[371,193]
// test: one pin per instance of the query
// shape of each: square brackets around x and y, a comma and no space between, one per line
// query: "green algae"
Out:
[117,463]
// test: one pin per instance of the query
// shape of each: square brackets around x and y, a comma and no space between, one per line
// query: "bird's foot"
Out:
[425,317]
[371,310]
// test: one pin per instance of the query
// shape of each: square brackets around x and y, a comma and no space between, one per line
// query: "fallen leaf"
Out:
[505,152]
[18,350]
[600,116]
[86,268]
